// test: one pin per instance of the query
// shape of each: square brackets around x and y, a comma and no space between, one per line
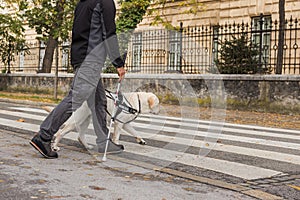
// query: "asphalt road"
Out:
[76,174]
[240,162]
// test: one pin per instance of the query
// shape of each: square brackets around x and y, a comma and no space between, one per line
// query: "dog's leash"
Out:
[112,119]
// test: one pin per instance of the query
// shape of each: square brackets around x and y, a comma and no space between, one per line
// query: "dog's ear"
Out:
[151,102]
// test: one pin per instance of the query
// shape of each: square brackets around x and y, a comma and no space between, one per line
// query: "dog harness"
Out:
[123,105]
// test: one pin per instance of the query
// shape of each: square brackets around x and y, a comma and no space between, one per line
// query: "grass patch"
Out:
[30,97]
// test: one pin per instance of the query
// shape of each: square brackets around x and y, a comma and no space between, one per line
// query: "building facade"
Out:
[194,47]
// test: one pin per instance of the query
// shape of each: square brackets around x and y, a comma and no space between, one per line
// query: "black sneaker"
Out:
[44,147]
[112,148]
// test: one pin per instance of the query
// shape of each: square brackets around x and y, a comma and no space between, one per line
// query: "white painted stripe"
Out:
[37,110]
[208,122]
[22,115]
[188,132]
[157,127]
[222,136]
[160,118]
[212,127]
[226,167]
[294,159]
[20,125]
[222,166]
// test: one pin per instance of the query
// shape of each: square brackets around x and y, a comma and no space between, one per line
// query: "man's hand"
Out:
[121,73]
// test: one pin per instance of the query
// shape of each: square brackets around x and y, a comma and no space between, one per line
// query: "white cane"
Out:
[112,119]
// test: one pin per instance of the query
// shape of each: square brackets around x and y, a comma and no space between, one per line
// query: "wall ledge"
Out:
[224,77]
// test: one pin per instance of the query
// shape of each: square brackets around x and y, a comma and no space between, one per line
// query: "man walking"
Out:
[93,38]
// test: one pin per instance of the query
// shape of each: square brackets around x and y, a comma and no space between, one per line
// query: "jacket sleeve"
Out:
[109,33]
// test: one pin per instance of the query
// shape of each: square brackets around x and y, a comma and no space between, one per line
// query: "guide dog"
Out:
[146,102]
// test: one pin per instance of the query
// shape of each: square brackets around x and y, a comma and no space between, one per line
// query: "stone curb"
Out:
[234,187]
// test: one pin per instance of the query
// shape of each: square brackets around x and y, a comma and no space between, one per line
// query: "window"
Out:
[261,36]
[174,51]
[137,52]
[41,54]
[65,55]
[21,60]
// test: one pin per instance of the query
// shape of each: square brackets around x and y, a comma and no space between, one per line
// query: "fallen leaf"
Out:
[21,120]
[146,178]
[42,181]
[97,188]
[206,144]
[169,180]
[188,189]
[55,197]
[86,196]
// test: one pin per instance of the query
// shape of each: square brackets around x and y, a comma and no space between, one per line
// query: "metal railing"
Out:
[191,50]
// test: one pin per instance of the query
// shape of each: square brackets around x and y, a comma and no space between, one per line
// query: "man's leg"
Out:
[84,83]
[98,106]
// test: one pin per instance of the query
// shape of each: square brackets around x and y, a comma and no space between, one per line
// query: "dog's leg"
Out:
[128,128]
[82,129]
[116,133]
[60,134]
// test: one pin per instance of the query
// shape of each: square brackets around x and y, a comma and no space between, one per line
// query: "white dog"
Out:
[144,102]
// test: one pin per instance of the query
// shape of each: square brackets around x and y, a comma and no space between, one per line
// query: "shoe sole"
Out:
[39,150]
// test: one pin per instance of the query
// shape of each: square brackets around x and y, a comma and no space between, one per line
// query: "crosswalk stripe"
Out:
[211,127]
[19,125]
[188,122]
[226,167]
[36,110]
[221,123]
[227,148]
[192,133]
[153,124]
[22,115]
[223,136]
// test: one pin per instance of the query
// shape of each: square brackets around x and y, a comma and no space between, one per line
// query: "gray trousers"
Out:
[86,86]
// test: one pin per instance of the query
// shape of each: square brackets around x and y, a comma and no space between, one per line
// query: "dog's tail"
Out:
[47,108]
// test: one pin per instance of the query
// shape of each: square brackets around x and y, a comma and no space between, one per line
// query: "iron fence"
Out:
[195,50]
[191,50]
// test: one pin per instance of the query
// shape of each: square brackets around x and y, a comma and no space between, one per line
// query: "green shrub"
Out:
[238,56]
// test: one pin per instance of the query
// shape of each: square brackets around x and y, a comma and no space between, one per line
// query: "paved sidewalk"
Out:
[24,174]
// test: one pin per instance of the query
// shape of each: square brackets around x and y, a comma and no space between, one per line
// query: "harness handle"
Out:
[116,100]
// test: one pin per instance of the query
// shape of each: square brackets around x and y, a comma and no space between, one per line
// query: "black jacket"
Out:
[94,33]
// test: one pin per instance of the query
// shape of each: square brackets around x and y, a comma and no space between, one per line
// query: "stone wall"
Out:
[268,92]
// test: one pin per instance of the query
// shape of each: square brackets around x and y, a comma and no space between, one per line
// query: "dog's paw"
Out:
[141,141]
[55,148]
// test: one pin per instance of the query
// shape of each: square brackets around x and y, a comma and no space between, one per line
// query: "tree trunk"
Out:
[280,37]
[49,53]
[53,42]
